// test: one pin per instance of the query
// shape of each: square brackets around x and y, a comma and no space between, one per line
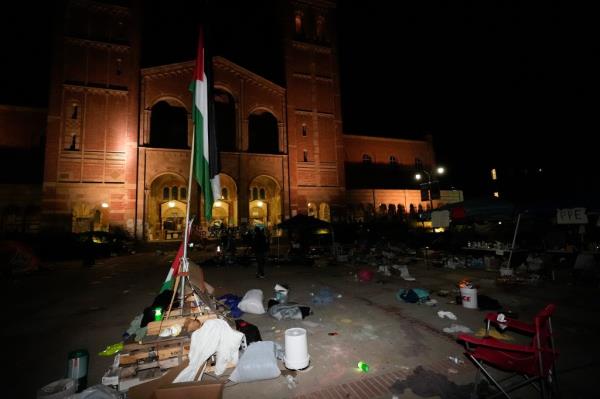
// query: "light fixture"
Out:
[218,203]
[259,204]
[440,170]
[499,221]
[171,204]
[418,176]
[105,205]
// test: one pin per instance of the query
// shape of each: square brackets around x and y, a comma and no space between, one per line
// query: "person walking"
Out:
[260,246]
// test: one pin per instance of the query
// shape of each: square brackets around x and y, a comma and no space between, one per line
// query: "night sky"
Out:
[503,84]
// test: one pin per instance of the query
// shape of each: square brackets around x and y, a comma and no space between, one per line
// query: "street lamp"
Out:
[439,171]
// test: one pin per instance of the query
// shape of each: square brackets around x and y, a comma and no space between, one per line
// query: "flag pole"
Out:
[184,266]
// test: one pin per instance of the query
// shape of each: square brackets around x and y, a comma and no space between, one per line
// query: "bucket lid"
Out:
[295,331]
[78,353]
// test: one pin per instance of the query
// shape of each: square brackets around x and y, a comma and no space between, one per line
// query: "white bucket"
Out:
[296,349]
[469,297]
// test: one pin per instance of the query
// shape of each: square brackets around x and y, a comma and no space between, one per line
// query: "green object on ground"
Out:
[112,349]
[363,366]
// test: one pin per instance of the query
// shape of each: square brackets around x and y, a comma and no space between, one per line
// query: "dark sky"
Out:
[497,83]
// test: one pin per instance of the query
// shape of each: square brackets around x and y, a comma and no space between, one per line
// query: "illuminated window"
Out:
[366,158]
[494,174]
[305,155]
[298,23]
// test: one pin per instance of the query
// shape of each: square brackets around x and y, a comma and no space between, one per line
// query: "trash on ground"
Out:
[323,297]
[413,295]
[258,362]
[444,313]
[252,302]
[454,328]
[456,360]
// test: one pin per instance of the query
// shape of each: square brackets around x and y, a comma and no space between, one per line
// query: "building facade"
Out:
[118,137]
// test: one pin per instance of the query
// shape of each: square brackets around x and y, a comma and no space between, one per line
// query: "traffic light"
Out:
[424,192]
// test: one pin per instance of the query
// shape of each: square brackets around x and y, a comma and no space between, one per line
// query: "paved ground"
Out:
[68,307]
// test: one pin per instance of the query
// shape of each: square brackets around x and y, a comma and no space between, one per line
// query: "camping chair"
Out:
[534,362]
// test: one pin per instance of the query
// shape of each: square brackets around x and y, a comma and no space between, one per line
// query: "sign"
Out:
[440,219]
[571,216]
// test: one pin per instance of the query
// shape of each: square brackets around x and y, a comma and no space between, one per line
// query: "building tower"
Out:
[91,149]
[315,141]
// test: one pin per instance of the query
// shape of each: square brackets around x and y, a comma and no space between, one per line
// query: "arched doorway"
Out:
[264,202]
[263,133]
[225,209]
[166,207]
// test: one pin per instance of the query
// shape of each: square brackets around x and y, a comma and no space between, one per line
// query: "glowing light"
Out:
[259,204]
[439,230]
[440,170]
[496,194]
[218,204]
[105,205]
[171,204]
[499,221]
[494,176]
[418,176]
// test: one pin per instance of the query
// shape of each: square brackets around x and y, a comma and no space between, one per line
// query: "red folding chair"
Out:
[534,362]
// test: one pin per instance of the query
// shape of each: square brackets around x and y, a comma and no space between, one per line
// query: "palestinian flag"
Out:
[170,280]
[206,161]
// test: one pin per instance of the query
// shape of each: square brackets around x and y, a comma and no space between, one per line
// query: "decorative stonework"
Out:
[102,7]
[94,90]
[118,48]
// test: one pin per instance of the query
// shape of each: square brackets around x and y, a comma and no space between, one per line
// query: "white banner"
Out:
[571,216]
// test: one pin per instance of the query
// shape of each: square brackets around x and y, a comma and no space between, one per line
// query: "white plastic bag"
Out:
[252,302]
[257,363]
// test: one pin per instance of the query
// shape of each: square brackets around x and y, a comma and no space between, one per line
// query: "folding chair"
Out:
[534,362]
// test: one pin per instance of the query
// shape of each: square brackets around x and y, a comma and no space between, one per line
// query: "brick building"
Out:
[118,136]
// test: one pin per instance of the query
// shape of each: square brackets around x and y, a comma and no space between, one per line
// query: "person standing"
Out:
[260,246]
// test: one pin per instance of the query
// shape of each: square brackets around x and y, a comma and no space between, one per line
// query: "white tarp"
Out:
[571,216]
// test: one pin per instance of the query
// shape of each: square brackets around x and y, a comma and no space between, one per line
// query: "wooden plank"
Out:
[154,327]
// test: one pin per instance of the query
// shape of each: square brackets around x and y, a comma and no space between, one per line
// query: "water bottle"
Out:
[77,367]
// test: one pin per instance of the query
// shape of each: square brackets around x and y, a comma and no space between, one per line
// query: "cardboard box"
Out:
[164,388]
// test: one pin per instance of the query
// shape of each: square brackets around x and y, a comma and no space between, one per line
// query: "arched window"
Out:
[225,120]
[304,130]
[305,155]
[183,193]
[166,193]
[174,192]
[320,31]
[75,111]
[393,160]
[224,193]
[262,194]
[168,126]
[263,134]
[254,193]
[366,158]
